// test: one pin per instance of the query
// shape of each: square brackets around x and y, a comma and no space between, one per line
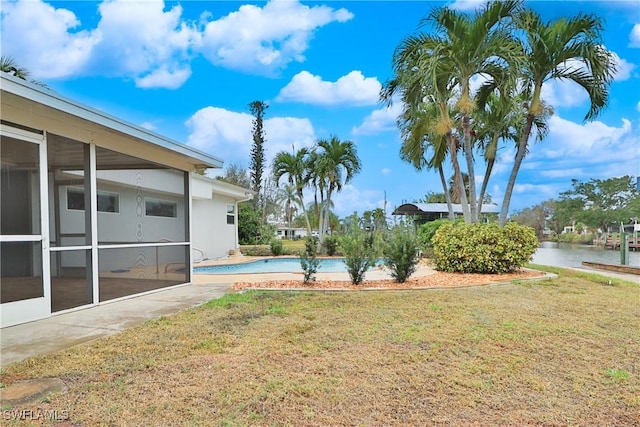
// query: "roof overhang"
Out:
[35,107]
[421,209]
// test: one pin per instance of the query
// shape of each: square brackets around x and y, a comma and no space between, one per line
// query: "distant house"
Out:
[426,212]
[94,209]
[291,233]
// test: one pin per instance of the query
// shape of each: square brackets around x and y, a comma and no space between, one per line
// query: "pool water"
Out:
[274,265]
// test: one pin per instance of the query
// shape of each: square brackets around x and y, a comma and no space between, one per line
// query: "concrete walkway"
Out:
[65,330]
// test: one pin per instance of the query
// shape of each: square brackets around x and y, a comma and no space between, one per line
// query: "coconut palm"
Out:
[294,167]
[337,164]
[565,49]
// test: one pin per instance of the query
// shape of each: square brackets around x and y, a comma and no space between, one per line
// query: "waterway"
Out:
[566,255]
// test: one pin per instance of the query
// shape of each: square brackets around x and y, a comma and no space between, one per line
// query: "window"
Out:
[231,214]
[107,202]
[155,207]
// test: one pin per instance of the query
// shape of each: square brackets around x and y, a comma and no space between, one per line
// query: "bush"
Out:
[401,254]
[308,260]
[276,247]
[359,253]
[427,230]
[330,245]
[483,248]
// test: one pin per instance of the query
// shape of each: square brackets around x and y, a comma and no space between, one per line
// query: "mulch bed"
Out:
[437,279]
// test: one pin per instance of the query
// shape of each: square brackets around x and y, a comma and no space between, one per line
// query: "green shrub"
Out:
[359,253]
[483,248]
[427,230]
[308,259]
[276,247]
[330,245]
[401,254]
[255,250]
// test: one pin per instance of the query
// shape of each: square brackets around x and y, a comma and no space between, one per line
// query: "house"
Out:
[94,209]
[291,233]
[432,211]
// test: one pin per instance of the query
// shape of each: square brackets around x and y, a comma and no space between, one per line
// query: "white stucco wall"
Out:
[211,233]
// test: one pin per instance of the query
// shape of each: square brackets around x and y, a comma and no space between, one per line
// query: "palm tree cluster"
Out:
[325,168]
[514,52]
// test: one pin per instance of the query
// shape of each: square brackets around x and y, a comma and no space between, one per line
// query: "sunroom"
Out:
[93,209]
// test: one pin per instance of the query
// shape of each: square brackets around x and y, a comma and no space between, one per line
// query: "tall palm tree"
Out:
[294,167]
[440,65]
[467,47]
[287,199]
[338,163]
[564,49]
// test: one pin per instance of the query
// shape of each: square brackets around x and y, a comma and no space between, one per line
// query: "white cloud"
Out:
[164,78]
[563,93]
[264,40]
[385,171]
[351,199]
[623,68]
[380,120]
[227,134]
[634,36]
[142,41]
[467,5]
[351,89]
[638,106]
[41,39]
[149,126]
[152,44]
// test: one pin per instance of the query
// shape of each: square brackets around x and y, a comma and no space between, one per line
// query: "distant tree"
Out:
[535,217]
[237,176]
[601,203]
[258,109]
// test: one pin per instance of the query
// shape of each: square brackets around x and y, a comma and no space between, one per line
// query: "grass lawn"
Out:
[554,353]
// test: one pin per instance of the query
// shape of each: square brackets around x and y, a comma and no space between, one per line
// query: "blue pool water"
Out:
[273,265]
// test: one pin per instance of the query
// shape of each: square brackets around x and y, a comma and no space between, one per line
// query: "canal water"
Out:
[566,255]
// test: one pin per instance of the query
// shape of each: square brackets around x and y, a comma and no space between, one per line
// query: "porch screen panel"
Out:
[150,200]
[133,270]
[21,247]
[70,276]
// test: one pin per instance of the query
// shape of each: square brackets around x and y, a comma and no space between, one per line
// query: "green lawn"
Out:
[555,353]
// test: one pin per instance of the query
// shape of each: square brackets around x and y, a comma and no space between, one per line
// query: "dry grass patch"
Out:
[554,353]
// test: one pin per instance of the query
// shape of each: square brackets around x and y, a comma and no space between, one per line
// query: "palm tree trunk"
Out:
[522,150]
[491,160]
[447,196]
[305,213]
[468,153]
[456,170]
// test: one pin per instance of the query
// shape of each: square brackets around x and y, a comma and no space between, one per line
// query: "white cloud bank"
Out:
[142,41]
[380,120]
[351,89]
[227,134]
[264,40]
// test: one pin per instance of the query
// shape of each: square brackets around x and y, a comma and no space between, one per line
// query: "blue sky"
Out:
[187,70]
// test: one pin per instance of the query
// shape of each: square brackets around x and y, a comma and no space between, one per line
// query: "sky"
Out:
[188,70]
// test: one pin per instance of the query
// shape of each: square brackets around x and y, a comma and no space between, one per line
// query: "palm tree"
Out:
[287,199]
[294,166]
[438,67]
[337,163]
[8,65]
[468,47]
[565,49]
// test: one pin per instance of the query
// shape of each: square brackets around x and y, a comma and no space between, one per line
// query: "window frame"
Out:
[99,193]
[160,201]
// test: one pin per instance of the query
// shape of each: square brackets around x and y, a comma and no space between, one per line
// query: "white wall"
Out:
[211,233]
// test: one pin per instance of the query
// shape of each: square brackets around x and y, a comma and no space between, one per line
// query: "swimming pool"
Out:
[274,265]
